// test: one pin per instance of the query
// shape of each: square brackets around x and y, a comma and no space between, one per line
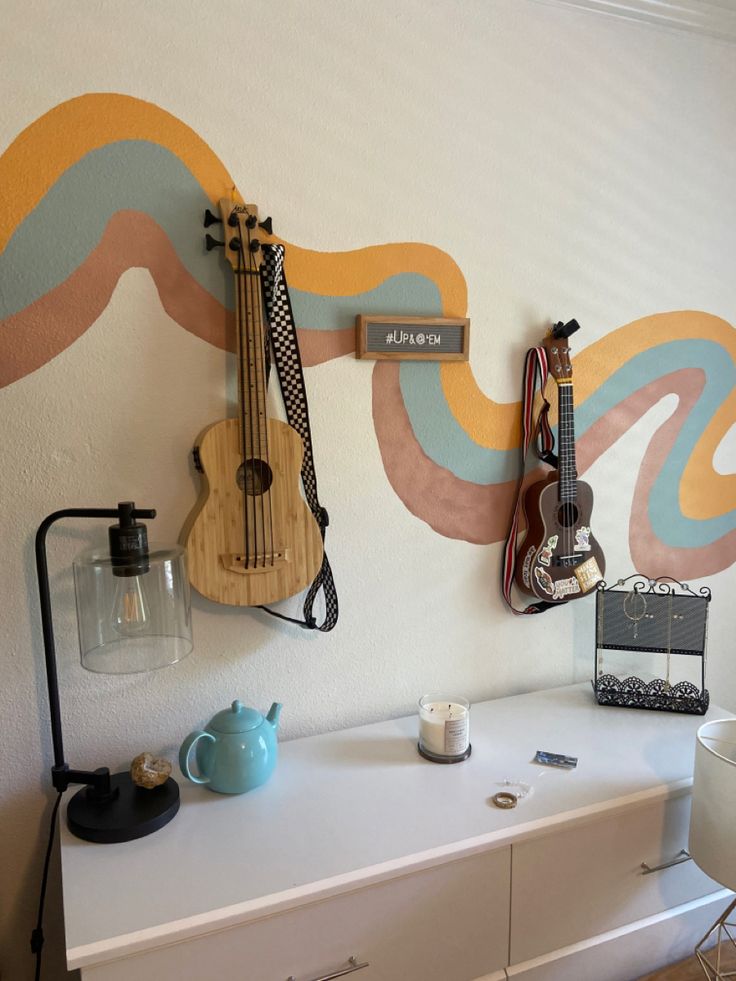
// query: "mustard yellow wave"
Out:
[38,156]
[704,493]
[35,160]
[58,139]
[347,273]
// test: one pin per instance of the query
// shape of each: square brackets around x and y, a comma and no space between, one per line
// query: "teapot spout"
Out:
[273,714]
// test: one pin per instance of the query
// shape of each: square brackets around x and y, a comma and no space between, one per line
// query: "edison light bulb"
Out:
[130,612]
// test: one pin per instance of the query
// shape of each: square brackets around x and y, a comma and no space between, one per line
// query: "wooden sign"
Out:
[412,338]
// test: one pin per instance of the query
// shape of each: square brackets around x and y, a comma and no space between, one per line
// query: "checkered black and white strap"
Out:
[288,363]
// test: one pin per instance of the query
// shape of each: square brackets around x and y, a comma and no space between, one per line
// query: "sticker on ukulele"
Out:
[564,587]
[582,538]
[545,554]
[588,574]
[544,580]
[526,568]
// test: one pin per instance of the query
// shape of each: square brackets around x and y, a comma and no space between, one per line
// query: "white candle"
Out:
[444,725]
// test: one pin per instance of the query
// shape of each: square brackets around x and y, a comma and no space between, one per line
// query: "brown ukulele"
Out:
[251,538]
[560,559]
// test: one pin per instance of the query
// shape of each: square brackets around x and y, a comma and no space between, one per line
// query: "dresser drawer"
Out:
[588,879]
[449,923]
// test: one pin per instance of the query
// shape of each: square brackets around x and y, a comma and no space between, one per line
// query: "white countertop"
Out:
[358,805]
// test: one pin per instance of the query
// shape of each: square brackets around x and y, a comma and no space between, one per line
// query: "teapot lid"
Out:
[238,718]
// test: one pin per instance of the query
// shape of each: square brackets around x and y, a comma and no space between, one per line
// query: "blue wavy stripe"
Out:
[406,295]
[440,434]
[58,235]
[68,222]
[668,522]
[448,445]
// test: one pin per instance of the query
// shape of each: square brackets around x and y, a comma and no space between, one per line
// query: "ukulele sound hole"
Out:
[567,514]
[254,477]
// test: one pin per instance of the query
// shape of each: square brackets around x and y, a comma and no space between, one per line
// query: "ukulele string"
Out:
[253,353]
[241,314]
[561,469]
[252,382]
[568,489]
[260,370]
[248,365]
[263,343]
[569,445]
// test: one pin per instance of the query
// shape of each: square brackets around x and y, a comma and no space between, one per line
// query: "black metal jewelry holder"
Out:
[654,616]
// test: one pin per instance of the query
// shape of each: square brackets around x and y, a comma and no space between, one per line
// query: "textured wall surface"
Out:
[518,161]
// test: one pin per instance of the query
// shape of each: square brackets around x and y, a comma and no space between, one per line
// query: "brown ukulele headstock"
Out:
[558,350]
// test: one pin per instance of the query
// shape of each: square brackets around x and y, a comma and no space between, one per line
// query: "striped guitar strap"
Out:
[536,367]
[282,337]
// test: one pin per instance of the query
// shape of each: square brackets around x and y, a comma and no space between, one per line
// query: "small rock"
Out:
[149,771]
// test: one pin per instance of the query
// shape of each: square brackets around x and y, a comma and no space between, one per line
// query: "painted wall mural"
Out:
[106,182]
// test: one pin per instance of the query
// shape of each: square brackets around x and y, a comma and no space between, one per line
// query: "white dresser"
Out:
[358,848]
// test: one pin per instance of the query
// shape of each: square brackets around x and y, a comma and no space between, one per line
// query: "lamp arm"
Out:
[62,775]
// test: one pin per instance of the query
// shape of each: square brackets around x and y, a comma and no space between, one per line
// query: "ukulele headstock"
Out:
[240,222]
[241,242]
[558,351]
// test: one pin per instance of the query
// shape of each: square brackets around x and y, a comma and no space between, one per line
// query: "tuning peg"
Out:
[266,225]
[254,245]
[210,219]
[211,243]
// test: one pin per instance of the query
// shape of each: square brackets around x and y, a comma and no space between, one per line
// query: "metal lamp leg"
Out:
[710,959]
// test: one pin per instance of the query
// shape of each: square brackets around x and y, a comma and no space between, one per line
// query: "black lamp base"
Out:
[132,812]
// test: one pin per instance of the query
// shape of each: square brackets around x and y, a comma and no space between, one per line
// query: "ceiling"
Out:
[714,18]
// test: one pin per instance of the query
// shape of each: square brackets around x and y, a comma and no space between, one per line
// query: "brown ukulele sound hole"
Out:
[567,514]
[254,477]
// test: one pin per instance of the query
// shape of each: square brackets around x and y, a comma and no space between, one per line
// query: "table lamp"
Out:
[712,834]
[133,615]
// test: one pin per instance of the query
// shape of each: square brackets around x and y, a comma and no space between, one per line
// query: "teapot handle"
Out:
[185,750]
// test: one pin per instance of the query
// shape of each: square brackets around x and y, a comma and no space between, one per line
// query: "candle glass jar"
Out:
[444,728]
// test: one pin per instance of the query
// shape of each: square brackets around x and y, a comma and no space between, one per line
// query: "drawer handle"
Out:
[680,857]
[354,966]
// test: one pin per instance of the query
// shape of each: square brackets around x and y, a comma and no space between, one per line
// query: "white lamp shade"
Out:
[713,819]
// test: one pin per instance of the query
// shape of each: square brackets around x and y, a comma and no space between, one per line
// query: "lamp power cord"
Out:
[37,937]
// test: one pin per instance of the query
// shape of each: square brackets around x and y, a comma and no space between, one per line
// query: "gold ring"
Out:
[505,799]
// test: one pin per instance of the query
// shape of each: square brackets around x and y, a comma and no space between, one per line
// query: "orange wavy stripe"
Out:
[55,141]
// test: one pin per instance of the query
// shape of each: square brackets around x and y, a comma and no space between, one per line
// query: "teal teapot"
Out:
[236,751]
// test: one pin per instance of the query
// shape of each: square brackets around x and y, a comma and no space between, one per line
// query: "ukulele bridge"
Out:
[248,564]
[568,561]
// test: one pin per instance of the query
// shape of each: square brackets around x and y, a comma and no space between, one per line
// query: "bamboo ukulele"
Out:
[251,538]
[559,558]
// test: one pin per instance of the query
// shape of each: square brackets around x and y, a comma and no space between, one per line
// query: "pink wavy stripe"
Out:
[318,346]
[482,514]
[452,507]
[35,335]
[31,337]
[651,556]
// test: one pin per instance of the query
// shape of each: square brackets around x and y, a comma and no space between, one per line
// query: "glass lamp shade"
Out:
[713,818]
[130,623]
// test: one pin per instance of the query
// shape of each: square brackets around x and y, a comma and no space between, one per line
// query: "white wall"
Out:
[571,164]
